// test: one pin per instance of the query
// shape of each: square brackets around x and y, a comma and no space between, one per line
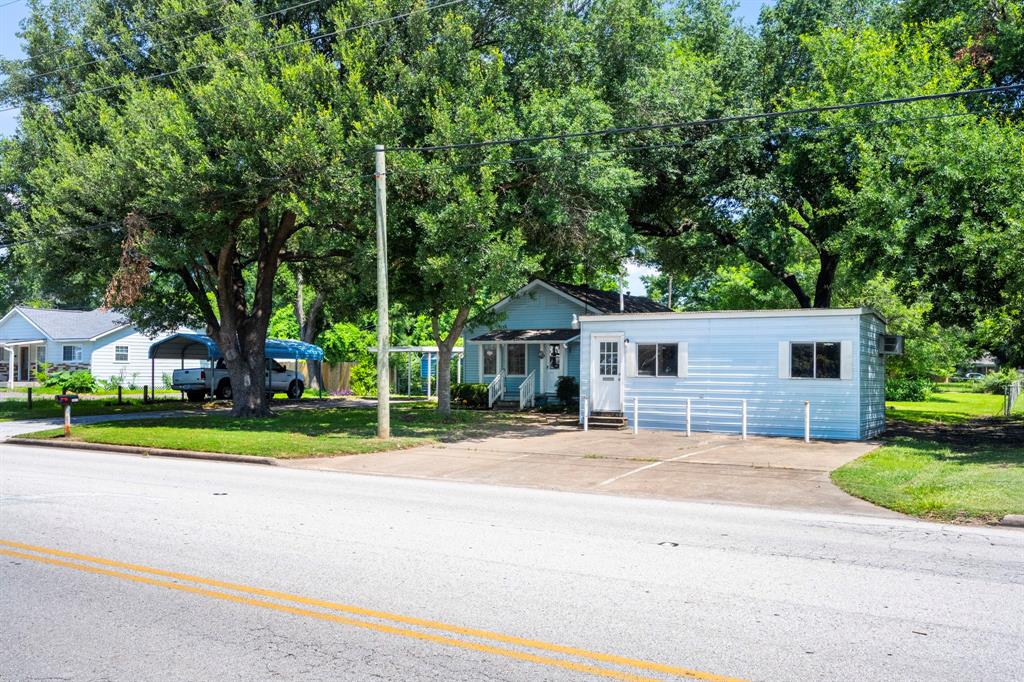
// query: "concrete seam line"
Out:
[153,452]
[654,464]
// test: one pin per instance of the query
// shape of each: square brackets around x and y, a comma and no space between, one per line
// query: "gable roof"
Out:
[72,324]
[607,302]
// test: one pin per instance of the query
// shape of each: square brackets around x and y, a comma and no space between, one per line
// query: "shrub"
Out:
[567,389]
[42,371]
[167,380]
[470,395]
[996,382]
[363,380]
[79,381]
[908,389]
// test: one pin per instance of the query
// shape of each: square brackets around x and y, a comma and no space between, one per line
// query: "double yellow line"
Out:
[383,621]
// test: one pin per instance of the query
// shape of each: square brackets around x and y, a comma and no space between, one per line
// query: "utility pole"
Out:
[383,330]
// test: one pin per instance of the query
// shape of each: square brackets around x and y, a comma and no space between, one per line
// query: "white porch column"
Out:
[10,367]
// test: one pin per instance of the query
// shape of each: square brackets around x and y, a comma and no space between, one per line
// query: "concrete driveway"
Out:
[775,472]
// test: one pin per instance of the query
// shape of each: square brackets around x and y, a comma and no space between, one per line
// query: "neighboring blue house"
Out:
[650,360]
[100,341]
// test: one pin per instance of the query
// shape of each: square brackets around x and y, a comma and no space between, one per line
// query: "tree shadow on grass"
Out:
[963,453]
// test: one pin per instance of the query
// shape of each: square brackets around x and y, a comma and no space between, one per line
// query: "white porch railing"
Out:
[527,391]
[496,389]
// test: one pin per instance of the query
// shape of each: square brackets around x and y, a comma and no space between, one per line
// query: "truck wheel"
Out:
[195,396]
[295,390]
[223,391]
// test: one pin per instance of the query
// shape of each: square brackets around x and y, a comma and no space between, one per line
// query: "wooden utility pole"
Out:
[383,328]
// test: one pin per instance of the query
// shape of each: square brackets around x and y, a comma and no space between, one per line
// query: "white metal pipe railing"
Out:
[689,416]
[636,415]
[744,418]
[585,408]
[807,421]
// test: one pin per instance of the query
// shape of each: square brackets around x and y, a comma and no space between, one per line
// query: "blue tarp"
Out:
[202,347]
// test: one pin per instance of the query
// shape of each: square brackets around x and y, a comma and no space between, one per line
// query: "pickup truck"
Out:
[200,382]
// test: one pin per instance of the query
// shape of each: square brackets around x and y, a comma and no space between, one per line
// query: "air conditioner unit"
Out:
[890,344]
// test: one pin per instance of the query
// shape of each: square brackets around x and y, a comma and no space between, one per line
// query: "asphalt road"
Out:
[116,567]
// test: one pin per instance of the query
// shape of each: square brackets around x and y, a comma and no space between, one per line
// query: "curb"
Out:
[147,452]
[1014,520]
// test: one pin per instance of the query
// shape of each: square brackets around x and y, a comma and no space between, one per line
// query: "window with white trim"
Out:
[657,359]
[815,360]
[120,353]
[72,354]
[40,354]
[515,359]
[608,359]
[489,359]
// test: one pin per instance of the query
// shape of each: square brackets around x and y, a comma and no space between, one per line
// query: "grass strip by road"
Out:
[294,433]
[939,481]
[46,407]
[95,565]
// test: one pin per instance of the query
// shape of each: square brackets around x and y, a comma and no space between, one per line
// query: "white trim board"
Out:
[733,314]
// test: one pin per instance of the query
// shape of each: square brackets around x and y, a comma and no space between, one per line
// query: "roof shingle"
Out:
[607,302]
[73,324]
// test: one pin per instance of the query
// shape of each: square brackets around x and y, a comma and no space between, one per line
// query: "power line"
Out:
[253,53]
[10,2]
[149,49]
[810,132]
[738,118]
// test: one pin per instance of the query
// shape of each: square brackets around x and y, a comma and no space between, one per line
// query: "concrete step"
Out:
[606,421]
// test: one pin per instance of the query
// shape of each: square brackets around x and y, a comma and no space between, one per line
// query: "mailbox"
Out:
[66,399]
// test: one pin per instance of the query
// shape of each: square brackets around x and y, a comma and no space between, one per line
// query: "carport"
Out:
[185,346]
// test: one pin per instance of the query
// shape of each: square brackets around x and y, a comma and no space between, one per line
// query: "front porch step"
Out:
[607,420]
[506,405]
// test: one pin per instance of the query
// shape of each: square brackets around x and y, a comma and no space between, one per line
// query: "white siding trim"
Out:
[631,359]
[845,360]
[683,360]
[784,356]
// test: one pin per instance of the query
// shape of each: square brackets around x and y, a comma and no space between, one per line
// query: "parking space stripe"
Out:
[655,464]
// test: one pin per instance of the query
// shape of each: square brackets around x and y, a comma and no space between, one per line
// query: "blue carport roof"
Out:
[202,347]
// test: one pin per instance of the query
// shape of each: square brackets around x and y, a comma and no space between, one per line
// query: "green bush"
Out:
[470,395]
[363,380]
[908,389]
[996,382]
[79,381]
[567,389]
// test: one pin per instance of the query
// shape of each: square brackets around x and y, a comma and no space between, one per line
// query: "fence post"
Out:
[689,413]
[586,413]
[30,397]
[636,415]
[145,394]
[807,421]
[744,401]
[118,394]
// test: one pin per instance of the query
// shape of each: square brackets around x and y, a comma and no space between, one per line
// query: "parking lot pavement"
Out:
[776,472]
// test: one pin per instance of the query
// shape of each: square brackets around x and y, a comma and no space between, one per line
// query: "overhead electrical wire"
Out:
[737,118]
[811,132]
[252,53]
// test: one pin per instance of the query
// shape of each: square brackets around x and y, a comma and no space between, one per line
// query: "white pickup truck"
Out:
[214,381]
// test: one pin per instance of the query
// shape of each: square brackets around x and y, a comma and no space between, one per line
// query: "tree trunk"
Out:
[829,264]
[444,356]
[309,326]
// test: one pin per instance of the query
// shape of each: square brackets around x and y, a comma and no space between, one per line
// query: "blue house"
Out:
[817,372]
[538,338]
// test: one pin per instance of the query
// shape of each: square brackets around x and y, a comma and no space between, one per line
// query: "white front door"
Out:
[554,366]
[606,373]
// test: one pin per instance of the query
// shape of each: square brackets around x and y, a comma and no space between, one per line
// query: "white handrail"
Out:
[527,391]
[496,389]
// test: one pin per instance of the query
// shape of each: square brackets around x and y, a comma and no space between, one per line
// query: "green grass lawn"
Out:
[43,407]
[939,481]
[295,433]
[947,407]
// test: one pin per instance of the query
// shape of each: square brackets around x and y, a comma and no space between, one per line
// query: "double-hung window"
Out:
[120,353]
[815,360]
[489,359]
[40,354]
[72,354]
[515,357]
[657,359]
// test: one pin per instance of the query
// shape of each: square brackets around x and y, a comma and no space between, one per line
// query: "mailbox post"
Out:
[65,399]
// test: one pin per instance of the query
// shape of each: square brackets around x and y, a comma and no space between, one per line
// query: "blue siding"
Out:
[730,358]
[872,384]
[537,308]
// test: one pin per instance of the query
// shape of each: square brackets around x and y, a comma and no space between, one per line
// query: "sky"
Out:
[12,14]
